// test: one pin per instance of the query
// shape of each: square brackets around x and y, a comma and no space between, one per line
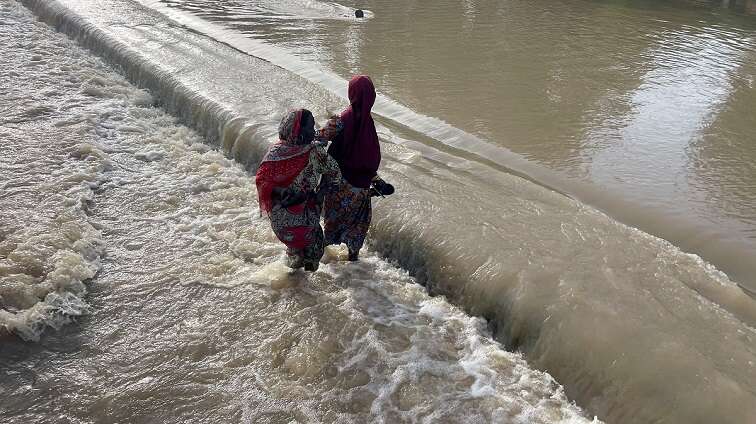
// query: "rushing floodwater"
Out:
[651,103]
[133,222]
[193,317]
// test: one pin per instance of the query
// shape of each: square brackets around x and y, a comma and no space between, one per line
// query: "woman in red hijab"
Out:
[347,208]
[286,183]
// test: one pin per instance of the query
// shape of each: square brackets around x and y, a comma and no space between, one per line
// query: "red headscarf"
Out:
[285,159]
[356,149]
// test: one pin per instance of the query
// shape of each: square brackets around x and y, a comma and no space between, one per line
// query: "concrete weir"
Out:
[635,329]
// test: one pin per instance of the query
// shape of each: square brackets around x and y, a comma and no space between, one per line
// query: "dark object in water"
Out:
[380,188]
[359,13]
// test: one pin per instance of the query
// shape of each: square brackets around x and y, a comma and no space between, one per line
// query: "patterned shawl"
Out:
[287,158]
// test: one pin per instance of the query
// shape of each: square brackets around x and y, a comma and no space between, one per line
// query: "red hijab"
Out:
[356,149]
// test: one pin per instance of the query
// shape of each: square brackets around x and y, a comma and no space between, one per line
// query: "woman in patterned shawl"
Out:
[355,147]
[286,183]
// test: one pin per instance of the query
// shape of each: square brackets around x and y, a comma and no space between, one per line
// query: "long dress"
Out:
[298,226]
[347,208]
[286,181]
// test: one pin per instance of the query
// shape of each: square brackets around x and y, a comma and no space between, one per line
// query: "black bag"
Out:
[380,188]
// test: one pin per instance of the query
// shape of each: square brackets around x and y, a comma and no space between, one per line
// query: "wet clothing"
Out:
[285,159]
[290,170]
[347,214]
[355,147]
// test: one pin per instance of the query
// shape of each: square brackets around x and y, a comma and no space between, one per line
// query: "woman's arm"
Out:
[324,164]
[330,130]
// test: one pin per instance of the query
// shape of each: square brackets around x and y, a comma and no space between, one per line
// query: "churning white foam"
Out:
[49,247]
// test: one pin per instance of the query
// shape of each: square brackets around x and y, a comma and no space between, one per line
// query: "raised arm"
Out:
[330,130]
[324,164]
